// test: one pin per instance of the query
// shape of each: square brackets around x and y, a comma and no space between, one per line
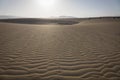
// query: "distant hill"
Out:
[67,17]
[7,17]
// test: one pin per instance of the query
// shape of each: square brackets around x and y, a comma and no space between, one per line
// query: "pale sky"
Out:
[54,8]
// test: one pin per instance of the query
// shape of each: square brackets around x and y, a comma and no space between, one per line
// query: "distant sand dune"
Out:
[61,21]
[89,50]
[42,21]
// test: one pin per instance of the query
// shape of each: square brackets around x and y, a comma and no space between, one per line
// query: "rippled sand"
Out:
[86,51]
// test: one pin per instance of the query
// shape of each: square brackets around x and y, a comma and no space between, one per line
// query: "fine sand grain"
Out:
[86,51]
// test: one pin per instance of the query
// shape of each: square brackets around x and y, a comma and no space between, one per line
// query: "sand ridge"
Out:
[60,52]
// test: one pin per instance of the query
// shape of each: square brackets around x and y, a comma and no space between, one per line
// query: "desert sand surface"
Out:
[89,50]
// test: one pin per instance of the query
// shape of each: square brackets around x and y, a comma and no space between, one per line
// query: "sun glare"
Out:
[47,3]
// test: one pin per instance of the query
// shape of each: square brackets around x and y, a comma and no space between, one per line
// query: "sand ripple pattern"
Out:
[55,52]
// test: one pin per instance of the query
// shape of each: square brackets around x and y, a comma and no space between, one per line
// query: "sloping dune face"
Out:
[87,51]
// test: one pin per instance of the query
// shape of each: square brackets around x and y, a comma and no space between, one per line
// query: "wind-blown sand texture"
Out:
[89,50]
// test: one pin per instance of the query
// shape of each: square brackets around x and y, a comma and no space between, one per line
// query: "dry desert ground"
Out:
[89,50]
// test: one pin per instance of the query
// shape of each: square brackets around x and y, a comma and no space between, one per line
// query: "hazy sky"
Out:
[49,8]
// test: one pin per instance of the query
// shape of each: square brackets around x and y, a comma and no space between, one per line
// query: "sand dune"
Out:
[57,21]
[89,50]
